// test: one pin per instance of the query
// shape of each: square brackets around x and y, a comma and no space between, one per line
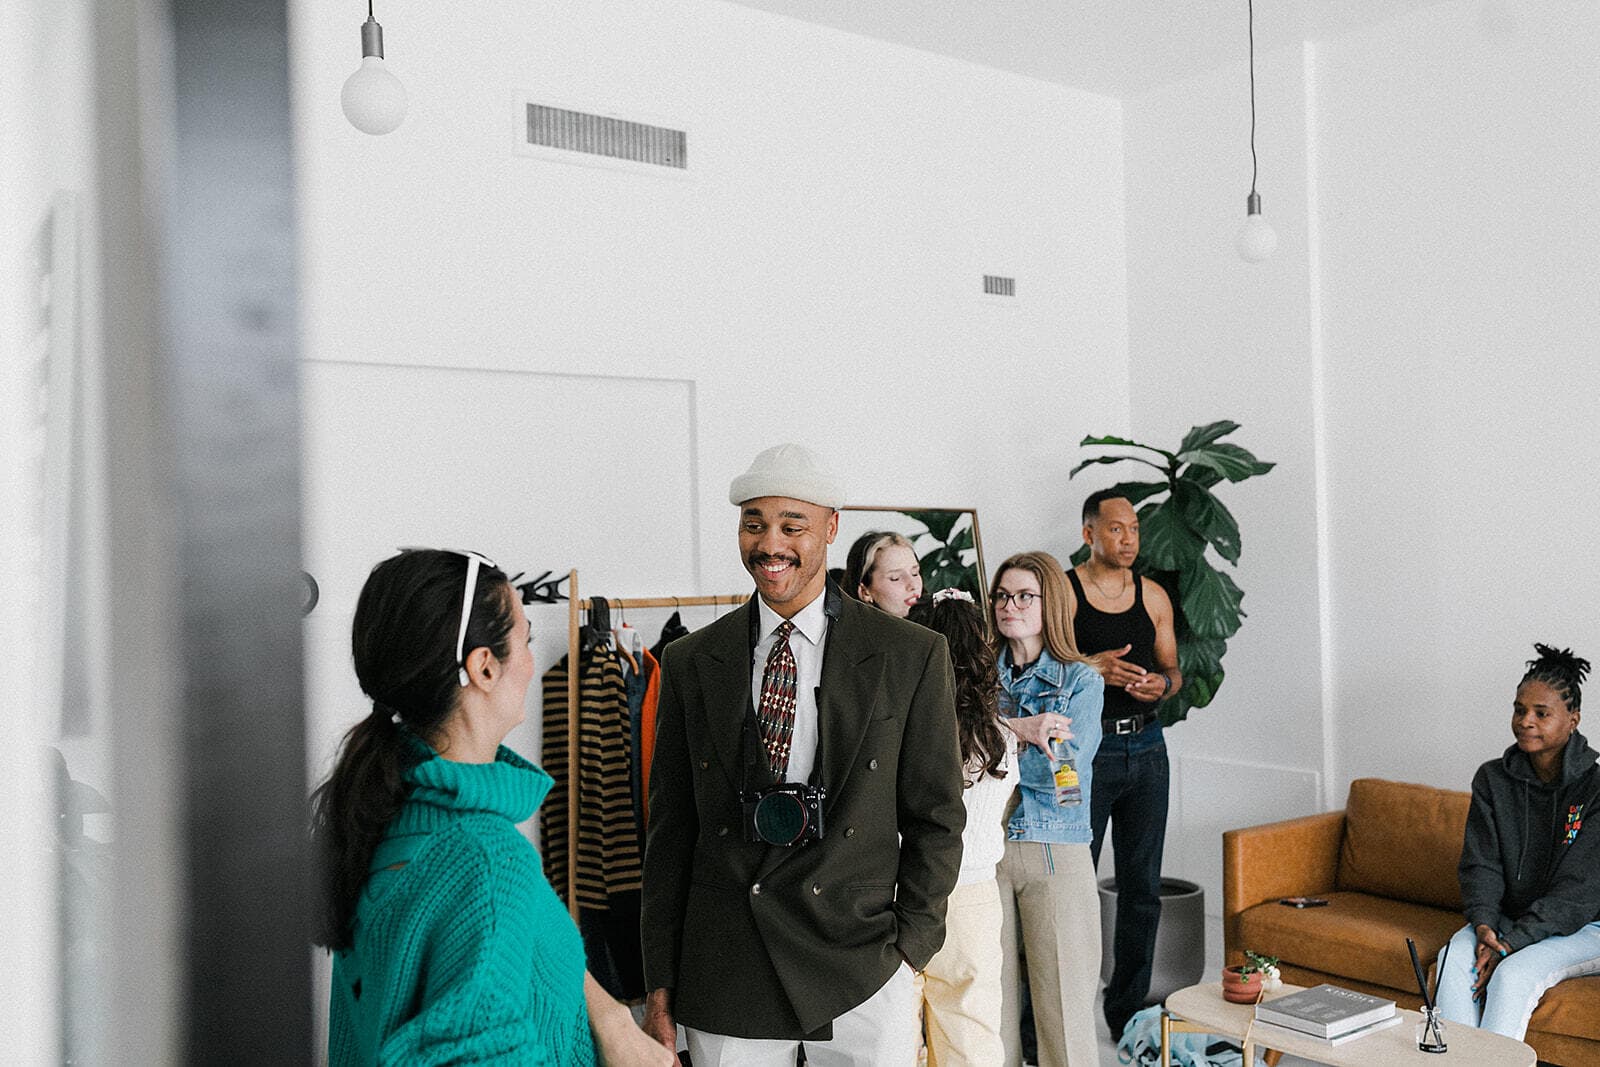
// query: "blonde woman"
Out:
[882,570]
[1050,698]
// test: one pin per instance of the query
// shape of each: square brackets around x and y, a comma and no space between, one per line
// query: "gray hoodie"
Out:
[1529,867]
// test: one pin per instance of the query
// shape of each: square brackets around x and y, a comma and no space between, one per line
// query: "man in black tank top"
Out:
[1124,625]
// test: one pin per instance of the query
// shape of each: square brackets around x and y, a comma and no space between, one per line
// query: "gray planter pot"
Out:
[1180,939]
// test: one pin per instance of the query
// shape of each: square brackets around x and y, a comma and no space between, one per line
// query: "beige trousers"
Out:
[961,986]
[1050,904]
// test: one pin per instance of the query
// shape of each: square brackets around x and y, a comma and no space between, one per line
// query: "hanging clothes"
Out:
[647,734]
[608,874]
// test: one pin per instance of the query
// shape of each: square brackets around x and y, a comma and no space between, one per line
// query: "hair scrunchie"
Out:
[387,712]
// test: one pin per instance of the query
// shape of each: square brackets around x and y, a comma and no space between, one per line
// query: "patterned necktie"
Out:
[779,683]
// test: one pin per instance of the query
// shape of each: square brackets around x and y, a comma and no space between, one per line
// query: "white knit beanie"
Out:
[788,470]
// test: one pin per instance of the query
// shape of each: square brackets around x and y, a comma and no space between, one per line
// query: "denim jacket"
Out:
[1076,691]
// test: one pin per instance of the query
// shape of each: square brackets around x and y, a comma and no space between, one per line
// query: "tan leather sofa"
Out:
[1387,865]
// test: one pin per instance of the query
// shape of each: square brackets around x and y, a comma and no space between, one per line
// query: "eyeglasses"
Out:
[1023,601]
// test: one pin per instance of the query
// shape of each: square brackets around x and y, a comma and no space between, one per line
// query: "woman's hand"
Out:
[1491,950]
[1039,730]
[618,1040]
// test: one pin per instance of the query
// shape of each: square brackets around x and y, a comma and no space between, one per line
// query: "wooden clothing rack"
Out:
[575,609]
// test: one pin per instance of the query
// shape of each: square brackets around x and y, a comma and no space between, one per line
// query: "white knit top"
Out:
[983,842]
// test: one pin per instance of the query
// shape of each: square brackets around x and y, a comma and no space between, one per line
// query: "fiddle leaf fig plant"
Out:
[948,556]
[1177,532]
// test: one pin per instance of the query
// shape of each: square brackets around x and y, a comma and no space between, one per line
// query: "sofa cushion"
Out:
[1571,1007]
[1357,934]
[1403,841]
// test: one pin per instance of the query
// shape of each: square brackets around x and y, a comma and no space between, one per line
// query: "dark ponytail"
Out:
[404,644]
[1560,670]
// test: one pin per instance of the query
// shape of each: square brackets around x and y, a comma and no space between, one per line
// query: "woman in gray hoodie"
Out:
[1530,875]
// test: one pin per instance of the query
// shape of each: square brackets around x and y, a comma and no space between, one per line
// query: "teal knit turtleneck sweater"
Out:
[464,954]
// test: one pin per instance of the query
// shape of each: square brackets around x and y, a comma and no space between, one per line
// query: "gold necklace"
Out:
[1113,597]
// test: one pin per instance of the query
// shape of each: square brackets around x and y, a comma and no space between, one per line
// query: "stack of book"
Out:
[1328,1012]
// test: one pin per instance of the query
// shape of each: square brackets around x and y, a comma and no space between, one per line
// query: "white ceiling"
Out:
[1113,47]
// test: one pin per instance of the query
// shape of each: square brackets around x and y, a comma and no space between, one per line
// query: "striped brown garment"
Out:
[608,833]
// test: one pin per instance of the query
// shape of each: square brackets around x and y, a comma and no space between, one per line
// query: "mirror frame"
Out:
[977,538]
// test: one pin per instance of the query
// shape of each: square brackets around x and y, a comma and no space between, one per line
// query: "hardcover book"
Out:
[1265,1031]
[1325,1011]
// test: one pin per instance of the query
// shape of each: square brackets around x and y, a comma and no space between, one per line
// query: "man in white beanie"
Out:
[805,805]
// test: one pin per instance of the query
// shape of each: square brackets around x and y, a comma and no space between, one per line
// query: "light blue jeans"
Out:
[1518,981]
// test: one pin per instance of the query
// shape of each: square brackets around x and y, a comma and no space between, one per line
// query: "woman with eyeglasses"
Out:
[1050,698]
[449,945]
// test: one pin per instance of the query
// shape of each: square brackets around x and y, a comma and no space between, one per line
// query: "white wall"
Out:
[809,278]
[1213,337]
[1461,236]
[1419,357]
[45,98]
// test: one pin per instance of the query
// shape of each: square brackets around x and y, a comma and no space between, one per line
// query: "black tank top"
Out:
[1095,631]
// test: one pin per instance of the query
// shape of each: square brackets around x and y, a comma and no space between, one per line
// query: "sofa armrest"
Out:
[1296,857]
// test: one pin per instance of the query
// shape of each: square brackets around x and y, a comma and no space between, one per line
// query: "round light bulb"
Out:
[374,100]
[1256,240]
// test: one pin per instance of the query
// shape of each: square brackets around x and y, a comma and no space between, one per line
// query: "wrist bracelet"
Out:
[1166,683]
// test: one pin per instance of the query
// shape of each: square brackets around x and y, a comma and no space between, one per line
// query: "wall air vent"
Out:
[602,135]
[995,285]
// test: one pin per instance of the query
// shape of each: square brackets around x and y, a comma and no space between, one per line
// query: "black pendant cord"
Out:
[1250,8]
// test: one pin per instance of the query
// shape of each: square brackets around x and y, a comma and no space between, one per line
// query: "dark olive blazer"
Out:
[769,942]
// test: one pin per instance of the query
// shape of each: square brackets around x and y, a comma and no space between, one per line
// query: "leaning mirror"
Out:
[946,540]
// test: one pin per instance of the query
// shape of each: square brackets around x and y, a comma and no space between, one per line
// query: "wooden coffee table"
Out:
[1201,1009]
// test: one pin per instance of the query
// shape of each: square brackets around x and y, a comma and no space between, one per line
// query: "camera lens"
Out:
[780,818]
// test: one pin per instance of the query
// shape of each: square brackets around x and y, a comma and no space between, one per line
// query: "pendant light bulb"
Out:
[1257,240]
[373,99]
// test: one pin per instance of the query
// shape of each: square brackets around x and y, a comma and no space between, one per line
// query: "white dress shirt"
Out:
[810,627]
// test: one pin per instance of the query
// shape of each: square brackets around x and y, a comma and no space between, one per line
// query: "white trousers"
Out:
[882,1030]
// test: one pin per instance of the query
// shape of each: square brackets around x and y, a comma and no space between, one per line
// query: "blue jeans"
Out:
[1131,778]
[1518,981]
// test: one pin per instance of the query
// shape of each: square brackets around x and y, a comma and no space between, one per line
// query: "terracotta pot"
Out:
[1241,989]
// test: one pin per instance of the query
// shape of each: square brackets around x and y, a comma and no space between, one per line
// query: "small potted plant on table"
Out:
[1243,983]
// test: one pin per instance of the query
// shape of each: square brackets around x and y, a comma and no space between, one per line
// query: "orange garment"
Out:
[647,727]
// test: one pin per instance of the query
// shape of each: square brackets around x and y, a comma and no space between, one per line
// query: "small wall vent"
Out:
[601,135]
[996,285]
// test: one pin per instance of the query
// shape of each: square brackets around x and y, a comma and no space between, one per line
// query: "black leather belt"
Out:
[1131,725]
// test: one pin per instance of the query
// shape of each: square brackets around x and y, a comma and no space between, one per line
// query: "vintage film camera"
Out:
[789,813]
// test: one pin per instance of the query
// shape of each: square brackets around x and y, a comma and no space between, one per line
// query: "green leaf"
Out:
[1165,542]
[1123,442]
[1200,436]
[962,540]
[1232,462]
[939,523]
[1210,601]
[1073,473]
[1204,514]
[1202,688]
[1200,655]
[1080,556]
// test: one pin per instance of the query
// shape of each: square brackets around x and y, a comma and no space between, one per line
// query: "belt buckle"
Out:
[1120,727]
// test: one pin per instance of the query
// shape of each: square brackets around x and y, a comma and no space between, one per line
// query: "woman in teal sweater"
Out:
[449,945]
